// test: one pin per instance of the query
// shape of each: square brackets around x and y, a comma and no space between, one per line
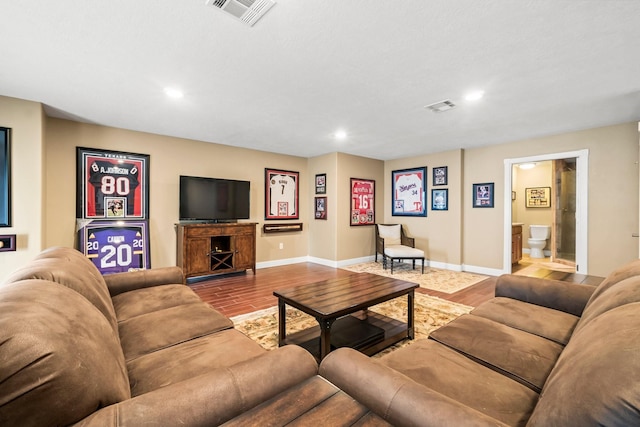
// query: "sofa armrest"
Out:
[394,396]
[564,296]
[124,282]
[213,397]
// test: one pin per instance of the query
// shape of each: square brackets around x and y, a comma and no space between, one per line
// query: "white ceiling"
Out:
[309,67]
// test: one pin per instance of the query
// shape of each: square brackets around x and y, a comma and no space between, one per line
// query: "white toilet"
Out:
[538,239]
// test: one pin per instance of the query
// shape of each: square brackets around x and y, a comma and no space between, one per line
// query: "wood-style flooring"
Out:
[246,292]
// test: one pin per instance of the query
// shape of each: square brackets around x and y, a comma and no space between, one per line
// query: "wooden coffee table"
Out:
[332,303]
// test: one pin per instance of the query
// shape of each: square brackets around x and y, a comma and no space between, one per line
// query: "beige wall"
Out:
[169,158]
[440,233]
[613,195]
[356,241]
[323,244]
[25,119]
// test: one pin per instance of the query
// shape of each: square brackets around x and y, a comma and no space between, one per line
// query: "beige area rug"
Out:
[429,314]
[441,280]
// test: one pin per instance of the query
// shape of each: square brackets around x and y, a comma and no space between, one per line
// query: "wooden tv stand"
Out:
[210,249]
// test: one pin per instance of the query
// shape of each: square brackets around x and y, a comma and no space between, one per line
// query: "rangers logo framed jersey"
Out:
[111,184]
[409,192]
[281,194]
[115,246]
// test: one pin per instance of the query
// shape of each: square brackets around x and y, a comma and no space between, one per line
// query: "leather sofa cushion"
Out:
[315,402]
[595,381]
[551,324]
[525,357]
[626,271]
[454,375]
[614,295]
[70,268]
[189,359]
[164,328]
[147,300]
[61,360]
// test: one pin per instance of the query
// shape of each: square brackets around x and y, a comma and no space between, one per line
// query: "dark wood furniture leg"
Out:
[410,329]
[282,326]
[325,336]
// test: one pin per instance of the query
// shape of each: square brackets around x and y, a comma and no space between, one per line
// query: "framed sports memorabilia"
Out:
[115,246]
[439,200]
[483,195]
[363,193]
[409,192]
[321,208]
[440,175]
[5,177]
[538,197]
[321,183]
[111,184]
[281,194]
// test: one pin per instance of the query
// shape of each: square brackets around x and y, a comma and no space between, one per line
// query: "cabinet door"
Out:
[197,256]
[244,258]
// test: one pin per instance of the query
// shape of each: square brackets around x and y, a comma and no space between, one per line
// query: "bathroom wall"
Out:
[540,176]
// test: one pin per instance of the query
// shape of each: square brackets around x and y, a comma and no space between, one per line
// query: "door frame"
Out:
[582,203]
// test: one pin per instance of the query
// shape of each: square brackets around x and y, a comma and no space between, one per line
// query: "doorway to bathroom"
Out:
[548,190]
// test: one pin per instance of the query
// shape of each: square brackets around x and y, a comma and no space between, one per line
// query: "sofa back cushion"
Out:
[390,233]
[595,381]
[61,360]
[72,269]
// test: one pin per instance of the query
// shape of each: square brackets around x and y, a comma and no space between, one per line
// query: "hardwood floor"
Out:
[242,293]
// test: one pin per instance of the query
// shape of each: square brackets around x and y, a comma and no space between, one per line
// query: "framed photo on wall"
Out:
[409,192]
[363,193]
[440,175]
[5,177]
[321,183]
[321,208]
[281,194]
[111,184]
[538,197]
[483,195]
[439,199]
[115,246]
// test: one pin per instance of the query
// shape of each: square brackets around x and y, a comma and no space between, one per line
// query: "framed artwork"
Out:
[538,197]
[440,175]
[5,177]
[281,194]
[439,200]
[111,184]
[363,193]
[321,183]
[409,192]
[483,195]
[115,246]
[321,208]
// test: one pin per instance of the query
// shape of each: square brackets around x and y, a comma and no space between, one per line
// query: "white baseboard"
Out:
[482,270]
[281,262]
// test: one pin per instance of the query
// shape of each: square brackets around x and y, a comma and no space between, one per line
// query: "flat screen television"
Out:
[213,199]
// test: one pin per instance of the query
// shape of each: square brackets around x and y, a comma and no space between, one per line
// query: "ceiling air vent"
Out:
[247,11]
[441,106]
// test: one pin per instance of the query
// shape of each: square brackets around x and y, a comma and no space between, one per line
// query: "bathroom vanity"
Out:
[516,242]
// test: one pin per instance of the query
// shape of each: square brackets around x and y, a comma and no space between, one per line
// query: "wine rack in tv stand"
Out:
[210,249]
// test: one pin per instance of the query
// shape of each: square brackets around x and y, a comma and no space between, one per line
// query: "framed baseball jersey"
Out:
[281,194]
[115,246]
[409,192]
[111,184]
[363,193]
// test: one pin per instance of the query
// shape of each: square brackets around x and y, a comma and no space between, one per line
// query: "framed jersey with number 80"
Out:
[111,184]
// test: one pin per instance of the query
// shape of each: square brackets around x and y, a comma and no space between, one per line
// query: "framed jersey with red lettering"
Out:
[111,184]
[363,192]
[409,192]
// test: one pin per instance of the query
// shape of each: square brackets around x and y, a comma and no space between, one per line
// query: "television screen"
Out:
[213,199]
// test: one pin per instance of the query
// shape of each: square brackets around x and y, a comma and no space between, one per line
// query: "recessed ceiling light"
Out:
[172,92]
[474,96]
[340,135]
[527,165]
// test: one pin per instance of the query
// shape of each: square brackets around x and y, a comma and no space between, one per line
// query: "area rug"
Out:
[441,280]
[429,314]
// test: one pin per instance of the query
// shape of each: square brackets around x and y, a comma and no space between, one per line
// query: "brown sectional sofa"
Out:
[541,353]
[141,348]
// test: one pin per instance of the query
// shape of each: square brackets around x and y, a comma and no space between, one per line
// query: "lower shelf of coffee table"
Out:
[366,340]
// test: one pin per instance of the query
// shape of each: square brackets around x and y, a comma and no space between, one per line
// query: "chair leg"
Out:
[422,265]
[413,264]
[391,265]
